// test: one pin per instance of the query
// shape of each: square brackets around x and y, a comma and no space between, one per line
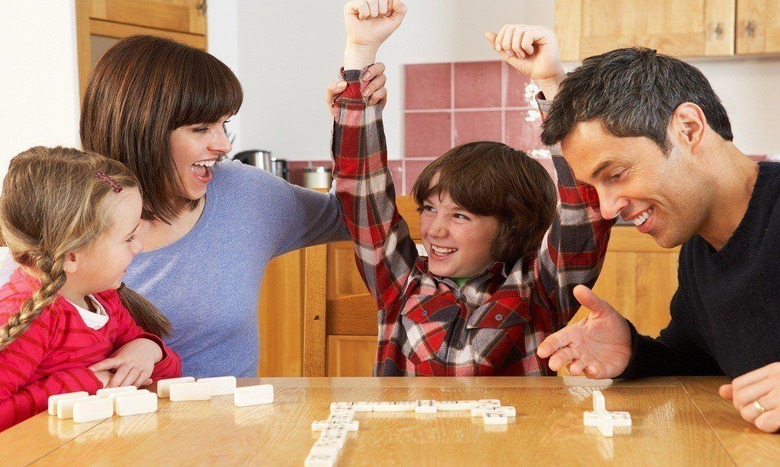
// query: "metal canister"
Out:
[317,177]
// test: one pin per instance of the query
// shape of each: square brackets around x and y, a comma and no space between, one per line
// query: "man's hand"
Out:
[756,395]
[375,91]
[533,51]
[598,346]
[132,364]
[369,23]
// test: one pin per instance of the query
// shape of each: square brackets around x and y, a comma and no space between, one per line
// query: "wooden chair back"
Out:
[336,302]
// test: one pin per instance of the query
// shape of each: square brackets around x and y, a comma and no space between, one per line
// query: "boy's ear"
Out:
[71,262]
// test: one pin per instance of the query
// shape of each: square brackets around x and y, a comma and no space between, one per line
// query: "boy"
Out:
[497,281]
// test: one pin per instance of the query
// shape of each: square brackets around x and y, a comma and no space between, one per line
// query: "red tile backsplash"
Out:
[477,84]
[516,86]
[428,86]
[477,126]
[413,170]
[520,133]
[428,134]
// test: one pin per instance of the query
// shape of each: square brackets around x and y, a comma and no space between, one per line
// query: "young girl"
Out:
[498,278]
[69,219]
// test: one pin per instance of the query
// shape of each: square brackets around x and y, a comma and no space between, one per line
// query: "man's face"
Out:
[667,196]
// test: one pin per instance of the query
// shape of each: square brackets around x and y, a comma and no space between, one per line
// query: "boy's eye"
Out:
[426,208]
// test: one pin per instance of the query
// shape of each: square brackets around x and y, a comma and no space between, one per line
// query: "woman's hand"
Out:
[375,91]
[533,51]
[756,395]
[369,23]
[132,364]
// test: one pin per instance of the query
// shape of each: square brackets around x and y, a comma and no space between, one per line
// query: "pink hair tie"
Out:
[117,187]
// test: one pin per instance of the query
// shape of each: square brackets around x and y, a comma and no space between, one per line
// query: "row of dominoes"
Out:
[128,400]
[341,422]
[603,419]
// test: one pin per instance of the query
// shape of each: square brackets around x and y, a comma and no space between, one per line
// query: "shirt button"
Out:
[499,317]
[425,313]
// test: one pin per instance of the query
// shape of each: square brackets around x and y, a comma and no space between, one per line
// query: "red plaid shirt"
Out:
[491,325]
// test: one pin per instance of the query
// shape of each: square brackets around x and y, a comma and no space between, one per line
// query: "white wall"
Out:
[290,50]
[222,24]
[38,76]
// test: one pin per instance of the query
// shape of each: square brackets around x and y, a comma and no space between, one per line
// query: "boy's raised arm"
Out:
[574,247]
[384,249]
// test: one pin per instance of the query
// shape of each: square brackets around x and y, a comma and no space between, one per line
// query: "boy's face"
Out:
[457,241]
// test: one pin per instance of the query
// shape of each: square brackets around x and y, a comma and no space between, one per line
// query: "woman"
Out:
[161,107]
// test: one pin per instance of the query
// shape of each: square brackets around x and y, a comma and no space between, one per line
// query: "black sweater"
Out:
[726,311]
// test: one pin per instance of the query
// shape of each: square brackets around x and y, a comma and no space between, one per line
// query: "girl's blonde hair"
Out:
[53,202]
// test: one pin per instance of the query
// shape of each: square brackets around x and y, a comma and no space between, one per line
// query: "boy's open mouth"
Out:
[442,251]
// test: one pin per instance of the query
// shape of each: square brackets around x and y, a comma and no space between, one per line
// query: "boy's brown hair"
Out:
[142,89]
[492,179]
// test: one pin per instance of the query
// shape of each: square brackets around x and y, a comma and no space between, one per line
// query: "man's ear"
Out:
[71,262]
[689,125]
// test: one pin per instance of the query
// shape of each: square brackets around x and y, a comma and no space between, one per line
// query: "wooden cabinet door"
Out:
[171,15]
[758,26]
[682,28]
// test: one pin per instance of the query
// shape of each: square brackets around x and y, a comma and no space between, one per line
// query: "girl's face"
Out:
[101,265]
[457,241]
[195,149]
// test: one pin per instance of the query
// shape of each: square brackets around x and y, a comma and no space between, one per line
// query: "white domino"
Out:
[605,426]
[92,410]
[457,405]
[320,460]
[253,395]
[495,418]
[394,406]
[113,396]
[321,425]
[65,406]
[362,406]
[221,386]
[135,404]
[335,433]
[71,395]
[508,411]
[599,403]
[164,385]
[184,392]
[326,447]
[334,406]
[342,417]
[619,419]
[425,406]
[489,403]
[120,390]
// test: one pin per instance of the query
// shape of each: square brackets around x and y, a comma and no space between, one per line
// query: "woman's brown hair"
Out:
[53,203]
[142,89]
[492,179]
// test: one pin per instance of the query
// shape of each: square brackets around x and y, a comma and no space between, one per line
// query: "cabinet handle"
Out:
[202,6]
[719,31]
[751,27]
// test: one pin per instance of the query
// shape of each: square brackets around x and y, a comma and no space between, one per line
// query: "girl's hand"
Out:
[369,23]
[375,91]
[132,364]
[533,51]
[104,376]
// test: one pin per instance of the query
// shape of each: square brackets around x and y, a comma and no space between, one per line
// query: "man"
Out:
[650,134]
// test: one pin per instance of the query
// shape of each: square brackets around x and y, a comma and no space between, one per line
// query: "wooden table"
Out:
[676,421]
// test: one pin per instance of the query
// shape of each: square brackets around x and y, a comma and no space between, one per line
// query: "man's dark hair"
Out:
[634,92]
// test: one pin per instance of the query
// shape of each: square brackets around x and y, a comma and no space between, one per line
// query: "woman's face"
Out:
[195,149]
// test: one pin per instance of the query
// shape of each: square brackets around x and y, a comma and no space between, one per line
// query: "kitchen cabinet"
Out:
[681,28]
[758,26]
[639,279]
[102,23]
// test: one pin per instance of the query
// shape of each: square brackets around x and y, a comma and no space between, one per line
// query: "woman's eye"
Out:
[201,129]
[461,216]
[132,238]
